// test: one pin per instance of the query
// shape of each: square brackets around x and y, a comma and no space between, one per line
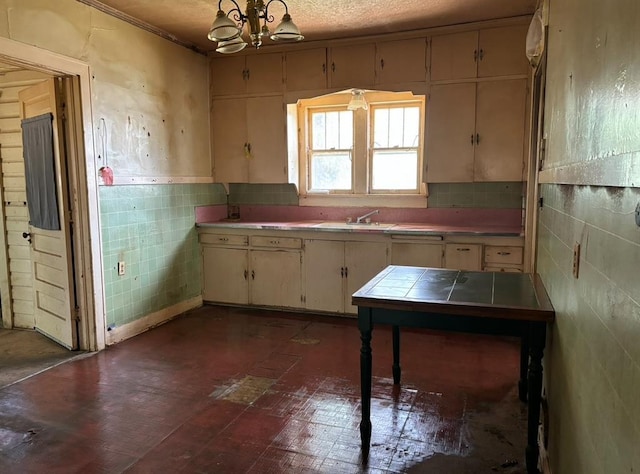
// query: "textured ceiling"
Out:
[188,21]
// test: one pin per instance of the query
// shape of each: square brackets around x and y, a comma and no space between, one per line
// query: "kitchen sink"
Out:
[353,226]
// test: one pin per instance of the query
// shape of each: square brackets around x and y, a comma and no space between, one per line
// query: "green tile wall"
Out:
[478,195]
[265,194]
[152,229]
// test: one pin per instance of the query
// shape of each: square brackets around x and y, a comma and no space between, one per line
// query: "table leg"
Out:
[397,371]
[524,364]
[534,393]
[365,387]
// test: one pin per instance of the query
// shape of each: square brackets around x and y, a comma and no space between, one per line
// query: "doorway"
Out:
[85,255]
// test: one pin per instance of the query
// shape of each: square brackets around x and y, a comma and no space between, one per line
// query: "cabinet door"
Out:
[306,70]
[225,275]
[450,132]
[264,73]
[353,66]
[502,51]
[267,139]
[363,261]
[401,61]
[454,56]
[276,278]
[228,76]
[500,125]
[416,254]
[229,136]
[324,270]
[463,256]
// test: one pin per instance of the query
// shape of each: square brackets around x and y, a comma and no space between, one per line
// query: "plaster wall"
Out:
[149,96]
[592,360]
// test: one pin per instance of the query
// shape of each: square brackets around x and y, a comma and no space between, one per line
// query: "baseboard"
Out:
[121,333]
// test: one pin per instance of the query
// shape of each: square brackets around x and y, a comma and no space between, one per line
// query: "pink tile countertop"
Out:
[488,222]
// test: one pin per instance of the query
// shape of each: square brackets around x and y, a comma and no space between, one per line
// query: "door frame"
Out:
[83,175]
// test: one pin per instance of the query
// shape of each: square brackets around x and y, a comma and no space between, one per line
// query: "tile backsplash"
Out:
[151,228]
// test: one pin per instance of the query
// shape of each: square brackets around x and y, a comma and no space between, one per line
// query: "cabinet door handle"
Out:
[342,272]
[346,272]
[477,140]
[475,55]
[246,274]
[382,64]
[472,138]
[253,274]
[481,54]
[504,253]
[333,67]
[324,68]
[460,249]
[248,74]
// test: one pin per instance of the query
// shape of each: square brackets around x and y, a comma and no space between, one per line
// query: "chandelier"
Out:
[228,32]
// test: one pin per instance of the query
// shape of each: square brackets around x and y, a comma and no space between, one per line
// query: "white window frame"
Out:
[361,195]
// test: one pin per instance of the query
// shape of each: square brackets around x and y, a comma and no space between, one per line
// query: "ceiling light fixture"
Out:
[227,27]
[357,100]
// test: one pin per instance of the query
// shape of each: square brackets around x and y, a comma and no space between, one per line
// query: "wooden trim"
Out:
[152,320]
[39,59]
[128,180]
[617,170]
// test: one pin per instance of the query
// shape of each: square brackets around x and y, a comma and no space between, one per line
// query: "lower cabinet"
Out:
[463,256]
[276,278]
[225,275]
[261,277]
[335,270]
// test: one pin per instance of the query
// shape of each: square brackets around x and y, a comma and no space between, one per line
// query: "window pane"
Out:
[381,128]
[346,130]
[411,126]
[319,130]
[330,171]
[395,170]
[396,127]
[332,130]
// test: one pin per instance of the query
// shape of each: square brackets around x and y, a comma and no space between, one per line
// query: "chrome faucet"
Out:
[361,218]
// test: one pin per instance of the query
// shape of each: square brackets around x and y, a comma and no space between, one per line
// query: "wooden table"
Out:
[513,304]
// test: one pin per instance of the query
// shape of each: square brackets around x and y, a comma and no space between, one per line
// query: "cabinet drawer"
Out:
[503,269]
[463,256]
[503,255]
[279,242]
[224,239]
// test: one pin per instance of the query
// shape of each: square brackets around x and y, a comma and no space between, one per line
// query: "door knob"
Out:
[26,235]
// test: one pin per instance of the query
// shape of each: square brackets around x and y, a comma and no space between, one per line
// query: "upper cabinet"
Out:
[352,66]
[249,140]
[306,70]
[475,54]
[253,74]
[476,131]
[401,61]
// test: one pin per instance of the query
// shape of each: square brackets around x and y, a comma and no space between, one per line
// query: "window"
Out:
[366,154]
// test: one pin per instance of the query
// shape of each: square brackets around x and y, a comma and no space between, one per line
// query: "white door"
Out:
[53,278]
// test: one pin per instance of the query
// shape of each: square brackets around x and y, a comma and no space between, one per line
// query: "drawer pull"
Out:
[275,242]
[504,253]
[223,239]
[463,249]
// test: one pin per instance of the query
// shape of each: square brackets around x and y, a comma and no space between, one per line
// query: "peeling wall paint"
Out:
[151,93]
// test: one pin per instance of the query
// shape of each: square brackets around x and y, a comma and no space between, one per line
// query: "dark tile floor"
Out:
[224,390]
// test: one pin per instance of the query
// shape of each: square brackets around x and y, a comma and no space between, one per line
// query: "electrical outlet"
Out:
[121,268]
[576,259]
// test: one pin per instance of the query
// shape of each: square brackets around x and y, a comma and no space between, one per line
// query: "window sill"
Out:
[360,200]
